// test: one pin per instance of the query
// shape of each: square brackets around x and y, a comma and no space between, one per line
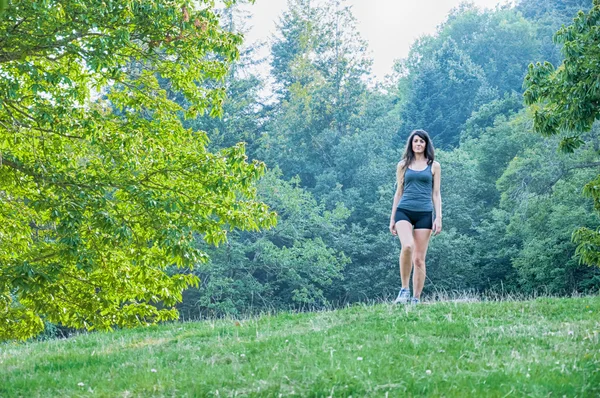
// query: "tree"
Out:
[445,87]
[242,113]
[319,64]
[549,16]
[295,41]
[100,196]
[539,191]
[501,41]
[566,101]
[288,266]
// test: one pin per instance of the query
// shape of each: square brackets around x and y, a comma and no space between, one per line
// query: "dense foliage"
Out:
[99,196]
[567,100]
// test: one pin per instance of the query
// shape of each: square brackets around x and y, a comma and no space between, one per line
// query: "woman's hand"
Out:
[437,226]
[393,227]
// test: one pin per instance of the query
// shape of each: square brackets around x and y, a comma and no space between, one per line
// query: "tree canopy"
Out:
[102,191]
[566,101]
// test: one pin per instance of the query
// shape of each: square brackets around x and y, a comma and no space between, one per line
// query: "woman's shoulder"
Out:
[435,164]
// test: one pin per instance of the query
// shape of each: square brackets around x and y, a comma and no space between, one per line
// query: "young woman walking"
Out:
[417,196]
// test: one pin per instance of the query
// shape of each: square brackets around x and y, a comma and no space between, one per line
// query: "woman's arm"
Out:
[437,198]
[397,196]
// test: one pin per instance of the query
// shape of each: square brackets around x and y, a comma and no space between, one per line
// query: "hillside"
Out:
[544,347]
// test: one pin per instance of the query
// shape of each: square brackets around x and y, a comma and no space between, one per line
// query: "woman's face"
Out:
[418,144]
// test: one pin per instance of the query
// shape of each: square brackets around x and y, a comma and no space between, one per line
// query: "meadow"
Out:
[546,347]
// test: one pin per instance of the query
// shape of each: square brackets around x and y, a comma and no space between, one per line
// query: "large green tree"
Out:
[565,101]
[474,57]
[540,194]
[444,87]
[99,195]
[319,65]
[288,266]
[547,17]
[501,41]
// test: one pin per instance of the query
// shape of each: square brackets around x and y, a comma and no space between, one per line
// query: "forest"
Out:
[272,191]
[331,141]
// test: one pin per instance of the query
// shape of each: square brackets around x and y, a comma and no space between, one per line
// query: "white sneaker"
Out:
[403,296]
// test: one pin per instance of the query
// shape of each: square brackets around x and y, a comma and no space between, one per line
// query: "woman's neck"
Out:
[419,157]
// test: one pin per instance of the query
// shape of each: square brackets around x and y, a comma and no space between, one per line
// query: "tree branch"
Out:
[567,171]
[40,50]
[28,116]
[40,178]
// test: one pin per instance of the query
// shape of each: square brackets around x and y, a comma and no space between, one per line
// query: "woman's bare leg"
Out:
[405,234]
[421,242]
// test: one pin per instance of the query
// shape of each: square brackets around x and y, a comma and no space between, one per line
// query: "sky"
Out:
[389,26]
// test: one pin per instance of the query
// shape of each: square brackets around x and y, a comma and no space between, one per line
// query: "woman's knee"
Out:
[408,246]
[419,261]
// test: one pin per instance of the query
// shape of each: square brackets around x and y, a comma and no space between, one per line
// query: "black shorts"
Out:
[419,219]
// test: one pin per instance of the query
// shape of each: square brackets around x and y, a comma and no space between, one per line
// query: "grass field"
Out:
[541,348]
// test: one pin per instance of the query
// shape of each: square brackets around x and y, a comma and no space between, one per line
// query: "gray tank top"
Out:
[418,188]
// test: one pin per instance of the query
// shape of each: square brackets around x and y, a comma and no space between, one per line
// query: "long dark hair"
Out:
[409,154]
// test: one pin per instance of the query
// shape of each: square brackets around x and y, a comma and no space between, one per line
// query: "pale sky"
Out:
[389,26]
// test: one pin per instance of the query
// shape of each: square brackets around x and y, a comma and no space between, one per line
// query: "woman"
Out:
[417,195]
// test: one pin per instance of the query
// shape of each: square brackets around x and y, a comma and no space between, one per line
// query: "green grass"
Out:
[541,348]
